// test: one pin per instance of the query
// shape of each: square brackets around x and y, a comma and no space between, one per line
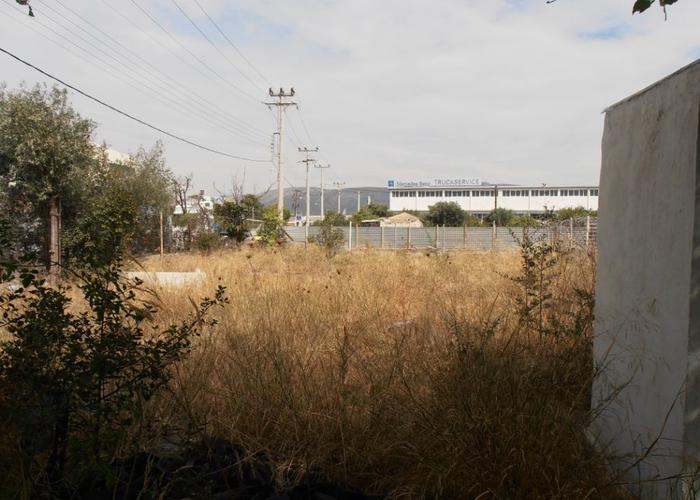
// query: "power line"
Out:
[152,70]
[232,44]
[216,47]
[131,117]
[214,72]
[160,94]
[180,58]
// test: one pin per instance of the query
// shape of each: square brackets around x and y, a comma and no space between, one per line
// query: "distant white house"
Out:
[196,204]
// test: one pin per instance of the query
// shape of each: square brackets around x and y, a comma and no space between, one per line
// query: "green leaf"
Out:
[642,5]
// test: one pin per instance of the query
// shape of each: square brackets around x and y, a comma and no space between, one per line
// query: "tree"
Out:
[642,5]
[121,206]
[332,218]
[501,216]
[371,211]
[45,153]
[253,206]
[231,216]
[573,213]
[270,231]
[447,213]
[378,209]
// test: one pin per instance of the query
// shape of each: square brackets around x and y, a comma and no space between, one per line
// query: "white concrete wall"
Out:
[647,238]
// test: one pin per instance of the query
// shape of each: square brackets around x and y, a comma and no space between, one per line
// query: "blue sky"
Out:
[504,90]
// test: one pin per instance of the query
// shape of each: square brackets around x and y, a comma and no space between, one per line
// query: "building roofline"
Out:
[500,186]
[653,85]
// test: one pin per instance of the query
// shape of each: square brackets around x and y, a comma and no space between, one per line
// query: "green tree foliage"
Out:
[378,209]
[332,218]
[253,206]
[45,152]
[501,216]
[642,5]
[232,218]
[207,241]
[121,207]
[270,231]
[573,213]
[74,377]
[448,213]
[371,211]
[330,238]
[524,221]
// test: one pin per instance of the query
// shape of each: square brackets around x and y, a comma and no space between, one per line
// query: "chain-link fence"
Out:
[573,232]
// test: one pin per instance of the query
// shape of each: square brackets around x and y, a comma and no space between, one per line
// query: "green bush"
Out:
[330,238]
[207,241]
[74,375]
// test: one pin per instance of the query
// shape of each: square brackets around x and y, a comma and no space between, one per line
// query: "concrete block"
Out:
[647,343]
[168,278]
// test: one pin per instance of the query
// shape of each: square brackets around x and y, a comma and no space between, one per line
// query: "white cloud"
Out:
[504,90]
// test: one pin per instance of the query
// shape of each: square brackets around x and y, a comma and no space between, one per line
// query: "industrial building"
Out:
[480,198]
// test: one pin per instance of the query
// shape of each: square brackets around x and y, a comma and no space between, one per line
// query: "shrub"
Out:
[206,241]
[74,375]
[330,238]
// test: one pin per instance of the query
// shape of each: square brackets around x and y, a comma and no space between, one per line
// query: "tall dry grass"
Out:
[404,374]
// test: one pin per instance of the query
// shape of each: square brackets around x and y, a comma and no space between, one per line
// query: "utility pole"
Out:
[281,103]
[307,160]
[322,167]
[339,187]
[359,201]
[296,200]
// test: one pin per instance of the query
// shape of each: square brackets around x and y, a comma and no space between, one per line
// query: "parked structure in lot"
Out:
[480,198]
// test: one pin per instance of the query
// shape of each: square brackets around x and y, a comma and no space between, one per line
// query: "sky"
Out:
[508,91]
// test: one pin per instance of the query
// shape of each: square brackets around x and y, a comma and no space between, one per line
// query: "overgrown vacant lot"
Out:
[409,375]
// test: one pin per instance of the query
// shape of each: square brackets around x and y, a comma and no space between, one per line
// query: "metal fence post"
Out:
[395,235]
[357,235]
[493,236]
[571,233]
[444,237]
[408,239]
[464,243]
[437,236]
[588,232]
[350,236]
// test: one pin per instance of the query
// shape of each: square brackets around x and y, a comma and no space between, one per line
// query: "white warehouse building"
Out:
[480,198]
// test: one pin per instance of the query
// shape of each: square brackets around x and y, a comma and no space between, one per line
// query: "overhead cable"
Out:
[130,116]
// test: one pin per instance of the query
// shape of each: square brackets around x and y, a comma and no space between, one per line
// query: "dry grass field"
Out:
[411,375]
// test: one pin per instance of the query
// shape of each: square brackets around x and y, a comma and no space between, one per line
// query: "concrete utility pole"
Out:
[339,187]
[296,200]
[359,200]
[322,167]
[281,105]
[307,160]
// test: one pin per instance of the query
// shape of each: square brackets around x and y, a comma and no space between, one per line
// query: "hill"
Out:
[348,198]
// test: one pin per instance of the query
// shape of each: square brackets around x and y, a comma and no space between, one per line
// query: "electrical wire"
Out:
[130,116]
[161,94]
[171,82]
[197,58]
[232,44]
[216,47]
